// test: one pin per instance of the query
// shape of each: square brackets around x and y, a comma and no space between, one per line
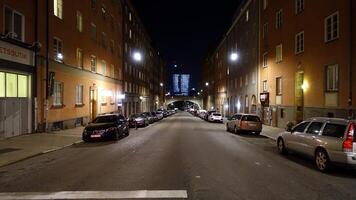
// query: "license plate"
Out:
[95,136]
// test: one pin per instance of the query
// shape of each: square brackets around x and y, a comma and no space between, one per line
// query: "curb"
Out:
[41,153]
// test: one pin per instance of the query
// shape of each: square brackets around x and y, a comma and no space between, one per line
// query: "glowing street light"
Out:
[137,56]
[207,84]
[234,56]
[161,84]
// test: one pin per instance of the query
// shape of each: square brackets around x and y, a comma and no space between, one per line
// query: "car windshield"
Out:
[216,114]
[105,119]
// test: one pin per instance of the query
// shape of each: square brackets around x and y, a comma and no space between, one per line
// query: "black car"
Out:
[106,127]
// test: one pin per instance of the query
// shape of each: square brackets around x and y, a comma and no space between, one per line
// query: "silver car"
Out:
[244,122]
[327,140]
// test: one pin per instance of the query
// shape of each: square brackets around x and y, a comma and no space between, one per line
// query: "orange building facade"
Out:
[306,58]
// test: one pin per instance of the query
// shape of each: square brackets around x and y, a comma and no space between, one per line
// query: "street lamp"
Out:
[234,56]
[206,84]
[137,56]
[161,84]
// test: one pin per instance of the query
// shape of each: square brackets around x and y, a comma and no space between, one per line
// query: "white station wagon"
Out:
[327,140]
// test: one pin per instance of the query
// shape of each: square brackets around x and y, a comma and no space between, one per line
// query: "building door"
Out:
[299,96]
[93,103]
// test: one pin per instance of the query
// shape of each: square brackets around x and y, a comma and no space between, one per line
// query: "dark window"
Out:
[301,127]
[282,113]
[315,128]
[334,130]
[93,4]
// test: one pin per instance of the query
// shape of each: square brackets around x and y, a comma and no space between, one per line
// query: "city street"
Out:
[179,155]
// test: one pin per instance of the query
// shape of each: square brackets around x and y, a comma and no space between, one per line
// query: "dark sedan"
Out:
[106,127]
[138,120]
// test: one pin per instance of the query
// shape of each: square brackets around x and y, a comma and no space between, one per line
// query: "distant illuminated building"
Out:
[181,84]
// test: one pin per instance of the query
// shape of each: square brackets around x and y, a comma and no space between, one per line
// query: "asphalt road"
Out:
[181,153]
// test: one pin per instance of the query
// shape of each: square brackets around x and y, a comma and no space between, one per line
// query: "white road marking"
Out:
[257,163]
[197,176]
[137,194]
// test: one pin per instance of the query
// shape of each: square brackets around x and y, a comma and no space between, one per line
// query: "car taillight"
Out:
[347,145]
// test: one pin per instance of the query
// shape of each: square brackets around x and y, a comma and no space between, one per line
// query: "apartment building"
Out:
[80,62]
[143,67]
[306,59]
[17,67]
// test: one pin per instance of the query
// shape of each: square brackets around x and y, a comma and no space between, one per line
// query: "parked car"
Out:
[159,115]
[327,140]
[139,120]
[150,117]
[215,117]
[154,116]
[106,127]
[244,122]
[207,114]
[201,113]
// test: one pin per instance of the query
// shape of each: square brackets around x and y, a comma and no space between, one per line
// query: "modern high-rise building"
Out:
[181,84]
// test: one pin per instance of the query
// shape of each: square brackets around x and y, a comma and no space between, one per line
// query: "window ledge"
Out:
[57,106]
[79,105]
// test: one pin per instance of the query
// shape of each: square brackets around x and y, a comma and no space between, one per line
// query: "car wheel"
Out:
[281,147]
[322,160]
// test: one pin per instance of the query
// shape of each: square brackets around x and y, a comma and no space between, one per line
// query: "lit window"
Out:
[279,53]
[58,8]
[93,63]
[103,67]
[332,27]
[299,43]
[299,6]
[279,86]
[22,86]
[58,94]
[265,59]
[80,58]
[2,84]
[279,19]
[79,21]
[247,15]
[130,33]
[79,95]
[130,16]
[14,24]
[332,78]
[11,85]
[57,50]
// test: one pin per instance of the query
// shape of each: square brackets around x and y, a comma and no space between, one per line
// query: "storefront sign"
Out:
[16,54]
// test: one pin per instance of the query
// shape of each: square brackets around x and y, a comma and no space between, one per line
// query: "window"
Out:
[11,85]
[279,19]
[246,79]
[58,50]
[103,67]
[2,84]
[103,40]
[130,17]
[279,53]
[93,63]
[314,128]
[79,95]
[265,86]
[299,43]
[332,27]
[14,24]
[265,30]
[112,46]
[130,33]
[265,59]
[80,58]
[334,130]
[279,86]
[58,94]
[299,6]
[332,78]
[240,81]
[79,21]
[265,4]
[103,11]
[93,4]
[300,127]
[58,8]
[93,31]
[247,15]
[112,71]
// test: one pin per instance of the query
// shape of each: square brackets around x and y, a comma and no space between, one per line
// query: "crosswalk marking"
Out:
[136,194]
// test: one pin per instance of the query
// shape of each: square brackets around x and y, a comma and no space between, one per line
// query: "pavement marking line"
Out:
[136,194]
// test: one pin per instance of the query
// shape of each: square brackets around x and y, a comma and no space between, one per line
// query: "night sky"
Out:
[185,31]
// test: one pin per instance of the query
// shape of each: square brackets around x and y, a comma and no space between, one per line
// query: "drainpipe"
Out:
[47,63]
[34,114]
[351,114]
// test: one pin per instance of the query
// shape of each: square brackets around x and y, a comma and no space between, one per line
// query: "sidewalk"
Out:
[271,132]
[26,146]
